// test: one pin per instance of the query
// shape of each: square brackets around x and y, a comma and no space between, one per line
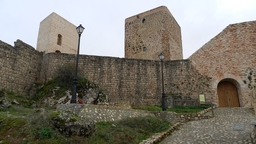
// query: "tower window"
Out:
[144,20]
[59,40]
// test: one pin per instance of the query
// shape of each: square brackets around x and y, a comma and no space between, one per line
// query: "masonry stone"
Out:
[56,34]
[136,79]
[230,56]
[153,32]
[20,66]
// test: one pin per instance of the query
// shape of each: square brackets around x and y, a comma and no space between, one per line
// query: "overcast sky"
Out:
[200,20]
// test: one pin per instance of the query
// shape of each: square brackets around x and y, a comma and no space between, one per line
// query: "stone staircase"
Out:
[229,125]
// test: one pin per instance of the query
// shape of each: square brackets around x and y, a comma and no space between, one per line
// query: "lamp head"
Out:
[161,56]
[80,29]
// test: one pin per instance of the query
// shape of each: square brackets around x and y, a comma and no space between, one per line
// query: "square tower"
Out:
[152,32]
[56,34]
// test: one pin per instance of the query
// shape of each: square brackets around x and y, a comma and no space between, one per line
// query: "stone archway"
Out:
[227,94]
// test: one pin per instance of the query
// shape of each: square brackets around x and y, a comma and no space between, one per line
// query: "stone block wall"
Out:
[133,81]
[102,113]
[152,32]
[125,81]
[230,56]
[109,113]
[19,66]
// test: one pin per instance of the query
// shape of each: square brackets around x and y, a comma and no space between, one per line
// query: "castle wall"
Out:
[133,81]
[150,33]
[231,56]
[19,66]
[50,28]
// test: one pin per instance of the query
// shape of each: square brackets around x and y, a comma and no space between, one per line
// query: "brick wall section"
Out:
[152,32]
[19,66]
[133,81]
[230,55]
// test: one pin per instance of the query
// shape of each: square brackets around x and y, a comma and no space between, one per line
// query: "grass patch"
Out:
[177,109]
[128,131]
[11,130]
[11,96]
[22,125]
[148,108]
[189,109]
[25,125]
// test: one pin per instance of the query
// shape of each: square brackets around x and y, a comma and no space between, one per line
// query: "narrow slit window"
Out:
[144,20]
[59,41]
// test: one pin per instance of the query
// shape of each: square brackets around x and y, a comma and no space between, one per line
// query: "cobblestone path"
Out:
[229,126]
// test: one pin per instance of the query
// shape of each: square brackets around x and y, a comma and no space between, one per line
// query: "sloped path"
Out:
[229,126]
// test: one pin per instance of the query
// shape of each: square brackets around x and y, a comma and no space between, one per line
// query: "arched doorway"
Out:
[227,93]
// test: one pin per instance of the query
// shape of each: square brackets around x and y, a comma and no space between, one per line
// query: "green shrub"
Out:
[65,74]
[46,133]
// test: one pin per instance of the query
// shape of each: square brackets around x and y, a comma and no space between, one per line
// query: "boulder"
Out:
[4,103]
[90,96]
[69,124]
[15,102]
[87,93]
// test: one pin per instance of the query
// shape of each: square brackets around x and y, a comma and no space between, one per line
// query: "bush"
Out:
[46,133]
[65,75]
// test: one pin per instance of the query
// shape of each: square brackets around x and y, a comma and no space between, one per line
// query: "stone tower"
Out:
[152,32]
[56,34]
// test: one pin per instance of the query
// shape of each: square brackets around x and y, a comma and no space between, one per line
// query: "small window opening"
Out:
[144,20]
[59,40]
[144,48]
[57,51]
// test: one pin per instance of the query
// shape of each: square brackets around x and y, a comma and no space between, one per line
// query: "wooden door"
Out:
[227,93]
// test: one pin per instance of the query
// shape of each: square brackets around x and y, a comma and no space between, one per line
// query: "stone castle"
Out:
[223,70]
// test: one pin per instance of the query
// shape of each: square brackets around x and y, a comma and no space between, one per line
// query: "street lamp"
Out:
[161,57]
[79,30]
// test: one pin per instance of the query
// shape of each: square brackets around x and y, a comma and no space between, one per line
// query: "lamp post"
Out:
[79,30]
[161,57]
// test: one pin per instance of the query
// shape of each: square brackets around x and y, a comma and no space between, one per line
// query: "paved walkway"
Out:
[229,126]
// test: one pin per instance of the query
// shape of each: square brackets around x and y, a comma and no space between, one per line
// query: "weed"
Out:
[46,133]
